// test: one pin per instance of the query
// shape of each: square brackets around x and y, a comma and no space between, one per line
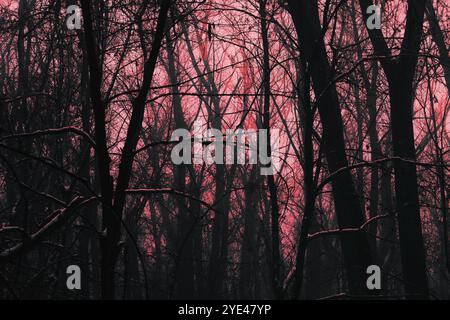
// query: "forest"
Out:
[93,178]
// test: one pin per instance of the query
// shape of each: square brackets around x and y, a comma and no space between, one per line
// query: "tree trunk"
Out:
[439,39]
[249,254]
[400,73]
[113,203]
[276,264]
[355,246]
[184,266]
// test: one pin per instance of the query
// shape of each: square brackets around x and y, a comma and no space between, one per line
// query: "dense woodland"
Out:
[86,176]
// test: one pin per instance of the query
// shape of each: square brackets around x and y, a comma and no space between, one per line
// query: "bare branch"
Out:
[52,131]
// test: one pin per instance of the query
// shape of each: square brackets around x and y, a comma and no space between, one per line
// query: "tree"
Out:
[400,71]
[355,247]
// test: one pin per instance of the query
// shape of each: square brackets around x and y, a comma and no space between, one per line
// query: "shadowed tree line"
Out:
[87,178]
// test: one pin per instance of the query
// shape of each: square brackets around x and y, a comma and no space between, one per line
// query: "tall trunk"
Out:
[184,269]
[276,264]
[87,237]
[380,184]
[400,74]
[308,189]
[406,190]
[20,124]
[355,246]
[102,156]
[113,203]
[370,86]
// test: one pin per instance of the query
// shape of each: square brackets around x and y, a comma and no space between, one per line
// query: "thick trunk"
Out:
[406,189]
[400,73]
[355,246]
